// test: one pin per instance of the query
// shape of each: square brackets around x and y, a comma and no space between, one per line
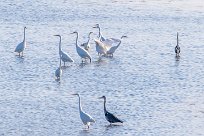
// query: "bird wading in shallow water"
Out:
[177,48]
[58,72]
[109,116]
[85,117]
[113,48]
[108,41]
[100,47]
[87,45]
[63,55]
[84,54]
[21,46]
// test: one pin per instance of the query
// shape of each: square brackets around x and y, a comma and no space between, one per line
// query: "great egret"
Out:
[81,51]
[58,72]
[113,48]
[177,48]
[87,45]
[109,116]
[21,46]
[63,55]
[100,47]
[101,38]
[85,117]
[109,41]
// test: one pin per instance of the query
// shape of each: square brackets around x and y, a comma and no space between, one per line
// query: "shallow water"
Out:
[145,85]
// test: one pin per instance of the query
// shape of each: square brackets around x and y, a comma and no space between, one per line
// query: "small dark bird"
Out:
[109,116]
[177,48]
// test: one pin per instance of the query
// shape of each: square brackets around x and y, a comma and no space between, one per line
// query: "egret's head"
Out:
[103,97]
[75,32]
[96,26]
[124,36]
[76,94]
[90,33]
[57,35]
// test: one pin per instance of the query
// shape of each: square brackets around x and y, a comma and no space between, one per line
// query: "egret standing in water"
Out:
[177,48]
[86,118]
[87,45]
[109,41]
[21,46]
[58,72]
[113,48]
[109,116]
[100,47]
[63,55]
[81,51]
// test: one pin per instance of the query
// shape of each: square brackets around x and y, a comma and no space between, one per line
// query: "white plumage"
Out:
[100,47]
[86,45]
[85,117]
[84,54]
[63,55]
[113,48]
[21,46]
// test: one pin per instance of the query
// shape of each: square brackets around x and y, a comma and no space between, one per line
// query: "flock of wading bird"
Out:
[104,47]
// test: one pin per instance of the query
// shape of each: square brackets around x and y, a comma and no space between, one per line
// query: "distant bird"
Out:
[87,45]
[113,48]
[100,47]
[109,116]
[177,48]
[58,72]
[101,38]
[63,55]
[85,117]
[84,54]
[21,46]
[109,41]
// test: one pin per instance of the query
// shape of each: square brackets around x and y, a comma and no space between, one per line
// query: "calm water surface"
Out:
[145,85]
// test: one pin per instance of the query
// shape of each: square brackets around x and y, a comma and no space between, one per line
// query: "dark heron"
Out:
[177,48]
[109,116]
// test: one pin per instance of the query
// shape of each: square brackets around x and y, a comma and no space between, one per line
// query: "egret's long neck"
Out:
[24,35]
[80,109]
[89,38]
[177,40]
[60,50]
[60,45]
[77,39]
[99,32]
[104,105]
[119,43]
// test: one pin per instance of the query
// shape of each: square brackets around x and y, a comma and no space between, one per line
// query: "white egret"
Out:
[109,116]
[21,46]
[109,41]
[177,48]
[100,47]
[81,51]
[113,48]
[87,45]
[85,117]
[63,55]
[58,72]
[101,38]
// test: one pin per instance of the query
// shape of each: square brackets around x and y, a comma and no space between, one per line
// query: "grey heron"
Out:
[109,116]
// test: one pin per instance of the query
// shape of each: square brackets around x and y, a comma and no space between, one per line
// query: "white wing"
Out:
[20,47]
[86,117]
[65,57]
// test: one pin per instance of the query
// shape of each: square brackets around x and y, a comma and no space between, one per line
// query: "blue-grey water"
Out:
[145,85]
